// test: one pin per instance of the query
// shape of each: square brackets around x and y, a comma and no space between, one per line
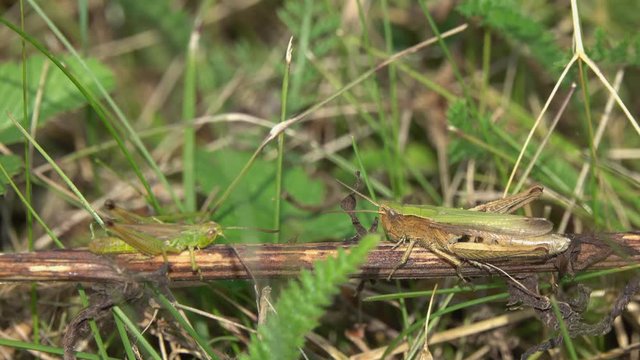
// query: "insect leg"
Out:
[511,203]
[452,259]
[405,256]
[194,265]
[399,243]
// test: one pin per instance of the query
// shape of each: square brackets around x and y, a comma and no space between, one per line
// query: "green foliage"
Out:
[623,52]
[517,25]
[60,94]
[416,156]
[226,61]
[459,115]
[301,304]
[163,15]
[313,25]
[251,204]
[12,165]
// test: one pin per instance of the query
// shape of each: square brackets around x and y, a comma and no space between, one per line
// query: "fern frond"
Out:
[516,25]
[620,52]
[302,303]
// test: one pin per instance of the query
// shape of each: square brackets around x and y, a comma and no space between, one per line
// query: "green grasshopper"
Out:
[480,234]
[130,232]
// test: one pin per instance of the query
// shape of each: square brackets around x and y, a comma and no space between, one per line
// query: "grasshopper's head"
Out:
[391,220]
[387,213]
[210,231]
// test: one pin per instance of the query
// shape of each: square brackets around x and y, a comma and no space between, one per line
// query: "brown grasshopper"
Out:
[478,235]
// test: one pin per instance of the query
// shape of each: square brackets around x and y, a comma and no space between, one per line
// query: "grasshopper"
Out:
[481,234]
[130,232]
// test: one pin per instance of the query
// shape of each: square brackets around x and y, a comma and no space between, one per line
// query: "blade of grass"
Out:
[397,170]
[167,305]
[277,221]
[29,346]
[61,173]
[188,115]
[30,209]
[568,342]
[281,127]
[454,67]
[92,324]
[122,333]
[133,329]
[28,154]
[419,322]
[363,171]
[131,133]
[382,127]
[95,105]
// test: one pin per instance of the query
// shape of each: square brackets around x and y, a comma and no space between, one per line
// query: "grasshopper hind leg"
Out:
[452,259]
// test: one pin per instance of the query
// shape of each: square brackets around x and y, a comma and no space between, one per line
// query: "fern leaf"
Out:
[302,303]
[518,26]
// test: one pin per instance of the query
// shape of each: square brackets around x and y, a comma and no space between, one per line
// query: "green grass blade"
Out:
[61,173]
[28,155]
[204,345]
[92,324]
[94,104]
[133,329]
[188,115]
[568,343]
[277,221]
[122,332]
[29,346]
[30,209]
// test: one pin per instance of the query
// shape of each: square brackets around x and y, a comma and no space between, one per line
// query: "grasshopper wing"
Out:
[125,216]
[110,245]
[141,240]
[482,224]
[158,230]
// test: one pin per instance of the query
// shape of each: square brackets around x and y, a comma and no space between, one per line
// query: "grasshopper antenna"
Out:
[358,193]
[269,231]
[498,269]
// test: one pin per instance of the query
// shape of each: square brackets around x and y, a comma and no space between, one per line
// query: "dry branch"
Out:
[273,260]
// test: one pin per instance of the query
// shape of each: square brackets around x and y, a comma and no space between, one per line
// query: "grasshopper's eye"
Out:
[212,232]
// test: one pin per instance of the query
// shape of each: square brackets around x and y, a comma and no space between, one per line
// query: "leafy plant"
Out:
[59,93]
[516,24]
[302,303]
[313,25]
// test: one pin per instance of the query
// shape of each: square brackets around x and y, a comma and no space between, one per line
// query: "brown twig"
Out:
[274,260]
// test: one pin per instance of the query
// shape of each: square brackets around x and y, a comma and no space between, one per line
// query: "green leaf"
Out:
[59,93]
[13,165]
[301,304]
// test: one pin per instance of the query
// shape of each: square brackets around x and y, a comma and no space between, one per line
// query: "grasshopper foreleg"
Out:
[405,256]
[400,242]
[194,264]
